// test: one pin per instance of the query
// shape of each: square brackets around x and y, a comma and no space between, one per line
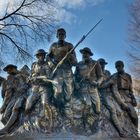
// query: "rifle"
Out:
[44,78]
[68,53]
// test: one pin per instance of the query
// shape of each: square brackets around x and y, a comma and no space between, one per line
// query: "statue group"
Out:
[50,99]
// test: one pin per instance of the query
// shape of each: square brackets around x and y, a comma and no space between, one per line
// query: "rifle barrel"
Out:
[93,27]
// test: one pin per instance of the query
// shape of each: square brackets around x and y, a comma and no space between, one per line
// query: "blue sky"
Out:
[110,39]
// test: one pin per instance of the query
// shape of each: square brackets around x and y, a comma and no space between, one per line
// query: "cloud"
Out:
[64,16]
[73,4]
[70,3]
[3,4]
[64,8]
[63,11]
[95,2]
[8,5]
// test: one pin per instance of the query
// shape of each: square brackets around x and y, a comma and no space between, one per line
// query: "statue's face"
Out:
[61,35]
[11,70]
[119,68]
[86,55]
[102,66]
[40,57]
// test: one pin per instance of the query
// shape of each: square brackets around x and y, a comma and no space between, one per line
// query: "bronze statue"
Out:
[87,81]
[51,99]
[63,75]
[40,84]
[108,97]
[123,82]
[15,93]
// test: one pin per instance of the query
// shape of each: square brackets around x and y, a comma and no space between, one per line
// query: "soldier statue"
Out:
[40,72]
[108,98]
[124,87]
[88,76]
[14,92]
[64,76]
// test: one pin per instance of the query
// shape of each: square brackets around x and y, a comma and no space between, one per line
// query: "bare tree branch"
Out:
[6,16]
[24,25]
[134,37]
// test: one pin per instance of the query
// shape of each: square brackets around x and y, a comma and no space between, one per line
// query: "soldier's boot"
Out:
[120,131]
[134,119]
[10,122]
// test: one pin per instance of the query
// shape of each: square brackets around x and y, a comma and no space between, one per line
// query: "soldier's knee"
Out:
[57,92]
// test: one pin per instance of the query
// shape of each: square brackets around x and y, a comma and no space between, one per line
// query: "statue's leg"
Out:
[30,100]
[96,101]
[113,114]
[58,88]
[69,85]
[8,111]
[46,107]
[131,112]
[4,105]
[13,117]
[6,101]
